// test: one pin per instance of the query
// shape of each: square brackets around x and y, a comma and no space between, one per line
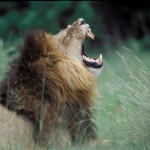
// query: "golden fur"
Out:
[14,131]
[48,82]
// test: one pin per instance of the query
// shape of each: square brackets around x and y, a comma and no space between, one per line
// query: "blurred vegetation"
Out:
[109,21]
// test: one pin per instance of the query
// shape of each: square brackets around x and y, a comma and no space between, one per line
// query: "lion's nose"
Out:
[80,19]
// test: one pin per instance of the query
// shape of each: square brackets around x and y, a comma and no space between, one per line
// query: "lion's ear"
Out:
[69,26]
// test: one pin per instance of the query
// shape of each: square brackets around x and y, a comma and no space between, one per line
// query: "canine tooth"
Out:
[90,34]
[100,57]
[99,60]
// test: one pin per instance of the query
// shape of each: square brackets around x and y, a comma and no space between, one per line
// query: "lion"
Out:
[51,84]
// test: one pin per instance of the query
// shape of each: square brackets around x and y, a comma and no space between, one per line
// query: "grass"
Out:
[123,108]
[125,88]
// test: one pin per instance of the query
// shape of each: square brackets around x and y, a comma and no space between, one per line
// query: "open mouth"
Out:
[90,62]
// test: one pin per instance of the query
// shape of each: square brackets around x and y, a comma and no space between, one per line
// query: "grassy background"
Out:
[123,107]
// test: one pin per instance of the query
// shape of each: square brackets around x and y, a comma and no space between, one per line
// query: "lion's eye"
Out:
[82,22]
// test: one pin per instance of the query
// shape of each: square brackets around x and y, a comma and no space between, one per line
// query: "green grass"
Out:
[123,115]
[122,111]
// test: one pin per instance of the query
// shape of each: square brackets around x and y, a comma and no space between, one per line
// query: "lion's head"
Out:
[70,41]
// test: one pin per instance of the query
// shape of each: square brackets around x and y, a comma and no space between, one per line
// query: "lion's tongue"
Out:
[90,34]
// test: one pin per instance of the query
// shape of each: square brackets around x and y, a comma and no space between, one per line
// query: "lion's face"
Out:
[72,44]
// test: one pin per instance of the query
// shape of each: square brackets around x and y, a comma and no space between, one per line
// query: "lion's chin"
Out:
[94,71]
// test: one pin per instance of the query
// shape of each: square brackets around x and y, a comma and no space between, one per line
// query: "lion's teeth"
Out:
[100,57]
[99,60]
[90,34]
[89,30]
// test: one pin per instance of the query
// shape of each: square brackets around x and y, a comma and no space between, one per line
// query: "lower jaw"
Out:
[95,71]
